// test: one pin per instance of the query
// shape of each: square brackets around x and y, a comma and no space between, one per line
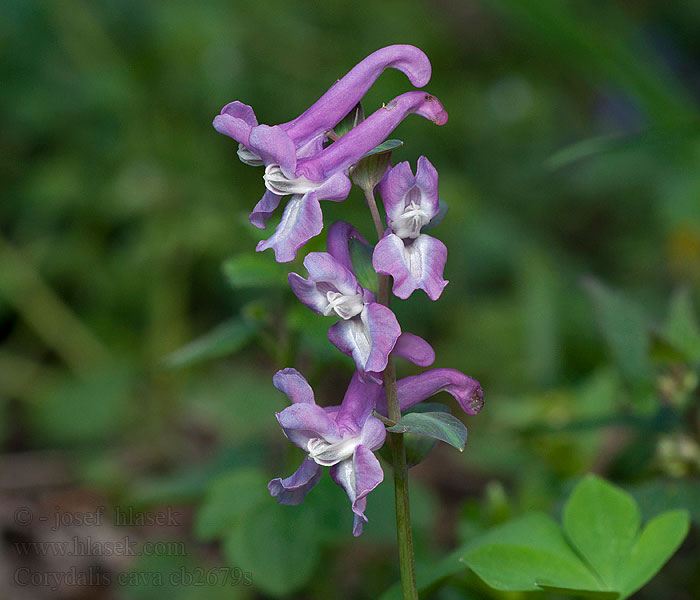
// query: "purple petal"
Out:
[368,338]
[264,208]
[274,146]
[343,95]
[236,121]
[357,406]
[302,220]
[358,476]
[414,264]
[371,132]
[414,348]
[416,388]
[373,433]
[336,188]
[304,422]
[339,236]
[427,181]
[292,490]
[394,187]
[326,274]
[292,383]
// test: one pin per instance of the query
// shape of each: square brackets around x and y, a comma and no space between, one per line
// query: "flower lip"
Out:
[249,157]
[278,183]
[327,455]
[413,219]
[346,307]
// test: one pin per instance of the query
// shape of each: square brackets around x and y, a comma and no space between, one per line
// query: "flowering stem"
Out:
[398,452]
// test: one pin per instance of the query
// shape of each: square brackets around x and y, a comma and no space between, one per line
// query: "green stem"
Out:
[398,452]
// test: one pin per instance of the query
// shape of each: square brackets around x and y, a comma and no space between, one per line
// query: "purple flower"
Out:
[308,131]
[416,388]
[324,176]
[414,260]
[366,330]
[340,437]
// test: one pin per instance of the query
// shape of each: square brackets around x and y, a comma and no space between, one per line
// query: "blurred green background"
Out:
[571,165]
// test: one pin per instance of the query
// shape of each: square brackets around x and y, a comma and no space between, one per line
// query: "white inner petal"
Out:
[414,260]
[413,218]
[327,455]
[346,307]
[277,183]
[249,157]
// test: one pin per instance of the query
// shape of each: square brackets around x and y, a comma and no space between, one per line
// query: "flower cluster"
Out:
[307,161]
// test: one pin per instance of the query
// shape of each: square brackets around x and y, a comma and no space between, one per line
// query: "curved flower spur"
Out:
[340,437]
[366,330]
[281,147]
[325,175]
[344,437]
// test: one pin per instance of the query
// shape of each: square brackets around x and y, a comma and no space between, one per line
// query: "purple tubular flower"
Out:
[416,388]
[414,260]
[308,131]
[340,437]
[304,136]
[324,175]
[366,330]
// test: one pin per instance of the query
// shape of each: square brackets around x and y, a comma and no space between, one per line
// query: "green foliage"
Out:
[350,121]
[283,548]
[599,552]
[626,331]
[361,257]
[257,535]
[681,328]
[433,423]
[371,167]
[250,270]
[224,339]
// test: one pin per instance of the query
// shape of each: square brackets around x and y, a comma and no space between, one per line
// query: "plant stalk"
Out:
[398,452]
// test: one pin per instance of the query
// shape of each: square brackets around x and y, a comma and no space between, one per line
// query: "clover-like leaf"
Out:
[598,554]
[601,521]
[526,551]
[658,541]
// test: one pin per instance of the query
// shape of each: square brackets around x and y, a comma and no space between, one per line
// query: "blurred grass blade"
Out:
[227,338]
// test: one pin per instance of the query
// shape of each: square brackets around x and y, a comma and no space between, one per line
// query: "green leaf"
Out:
[523,568]
[681,328]
[572,591]
[602,555]
[350,121]
[659,540]
[626,331]
[361,258]
[231,498]
[371,167]
[385,146]
[254,271]
[527,550]
[279,545]
[601,521]
[224,339]
[439,425]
